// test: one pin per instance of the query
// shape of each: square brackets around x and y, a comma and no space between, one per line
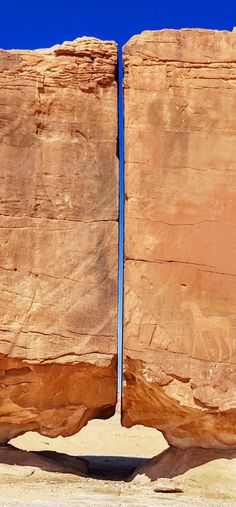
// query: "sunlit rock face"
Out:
[180,235]
[58,237]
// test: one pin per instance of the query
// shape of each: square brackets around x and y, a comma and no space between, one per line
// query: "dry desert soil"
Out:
[106,465]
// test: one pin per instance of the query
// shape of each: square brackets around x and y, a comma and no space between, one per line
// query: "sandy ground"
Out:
[93,468]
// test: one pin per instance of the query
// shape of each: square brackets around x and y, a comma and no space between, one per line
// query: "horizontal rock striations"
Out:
[180,235]
[58,237]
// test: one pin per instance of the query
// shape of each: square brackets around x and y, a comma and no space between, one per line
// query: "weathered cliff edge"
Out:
[180,235]
[58,244]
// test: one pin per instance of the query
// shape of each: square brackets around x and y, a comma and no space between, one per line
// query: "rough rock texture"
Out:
[180,235]
[58,237]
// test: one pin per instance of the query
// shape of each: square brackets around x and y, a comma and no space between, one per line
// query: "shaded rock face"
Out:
[58,237]
[180,241]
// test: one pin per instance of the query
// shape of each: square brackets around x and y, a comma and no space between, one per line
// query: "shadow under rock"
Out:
[114,468]
[49,461]
[174,461]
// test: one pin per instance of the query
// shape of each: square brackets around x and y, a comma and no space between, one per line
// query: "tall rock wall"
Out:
[58,237]
[180,235]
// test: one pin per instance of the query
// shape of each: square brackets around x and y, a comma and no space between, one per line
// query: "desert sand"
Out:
[96,467]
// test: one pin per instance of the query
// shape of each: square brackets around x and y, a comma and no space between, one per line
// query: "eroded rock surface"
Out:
[180,235]
[58,237]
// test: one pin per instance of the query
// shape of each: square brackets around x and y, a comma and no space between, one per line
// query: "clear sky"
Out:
[30,24]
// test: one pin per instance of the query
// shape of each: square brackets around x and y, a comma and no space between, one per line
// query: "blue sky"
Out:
[30,24]
[33,24]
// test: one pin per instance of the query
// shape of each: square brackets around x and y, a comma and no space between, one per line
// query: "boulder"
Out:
[58,237]
[180,236]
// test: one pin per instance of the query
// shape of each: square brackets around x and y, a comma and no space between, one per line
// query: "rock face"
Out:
[180,235]
[58,237]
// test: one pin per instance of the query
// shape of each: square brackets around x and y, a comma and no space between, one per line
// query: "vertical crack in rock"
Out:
[180,286]
[58,237]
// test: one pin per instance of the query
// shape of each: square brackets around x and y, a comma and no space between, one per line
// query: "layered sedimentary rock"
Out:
[58,237]
[180,235]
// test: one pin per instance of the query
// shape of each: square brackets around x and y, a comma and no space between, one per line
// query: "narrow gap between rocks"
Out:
[121,221]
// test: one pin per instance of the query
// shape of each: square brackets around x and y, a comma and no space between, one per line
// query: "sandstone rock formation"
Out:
[180,235]
[58,227]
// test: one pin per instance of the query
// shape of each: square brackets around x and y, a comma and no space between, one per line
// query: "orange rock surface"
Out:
[58,237]
[180,235]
